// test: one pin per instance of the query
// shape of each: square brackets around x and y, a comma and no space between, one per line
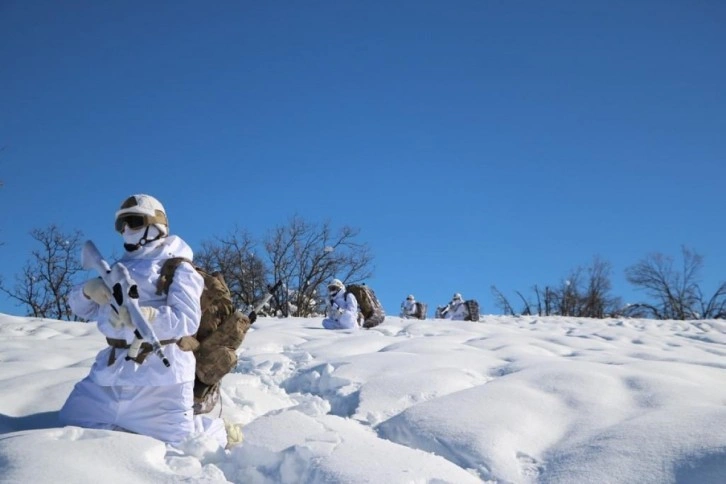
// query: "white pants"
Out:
[214,427]
[163,412]
[347,320]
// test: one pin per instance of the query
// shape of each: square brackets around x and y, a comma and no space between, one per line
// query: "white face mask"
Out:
[132,237]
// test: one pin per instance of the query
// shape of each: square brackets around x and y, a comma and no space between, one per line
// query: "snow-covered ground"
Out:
[520,400]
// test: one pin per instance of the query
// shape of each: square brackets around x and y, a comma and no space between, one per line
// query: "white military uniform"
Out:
[146,398]
[457,310]
[342,311]
[408,308]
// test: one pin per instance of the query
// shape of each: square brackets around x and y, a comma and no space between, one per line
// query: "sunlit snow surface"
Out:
[510,400]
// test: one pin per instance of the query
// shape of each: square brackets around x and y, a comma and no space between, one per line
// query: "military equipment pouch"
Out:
[221,332]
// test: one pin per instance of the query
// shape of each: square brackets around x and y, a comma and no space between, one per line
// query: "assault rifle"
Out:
[125,294]
[265,299]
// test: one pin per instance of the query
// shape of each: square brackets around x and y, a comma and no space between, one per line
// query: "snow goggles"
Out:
[133,221]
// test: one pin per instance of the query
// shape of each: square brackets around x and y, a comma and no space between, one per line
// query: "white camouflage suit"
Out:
[408,308]
[457,310]
[342,311]
[146,398]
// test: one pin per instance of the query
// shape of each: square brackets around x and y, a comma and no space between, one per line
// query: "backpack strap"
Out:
[359,317]
[166,275]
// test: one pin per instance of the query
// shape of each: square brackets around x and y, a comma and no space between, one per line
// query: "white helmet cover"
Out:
[335,286]
[145,206]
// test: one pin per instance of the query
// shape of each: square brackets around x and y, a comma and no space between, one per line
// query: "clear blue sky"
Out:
[472,142]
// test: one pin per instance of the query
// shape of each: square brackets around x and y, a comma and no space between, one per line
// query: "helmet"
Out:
[141,211]
[335,286]
[457,297]
[410,297]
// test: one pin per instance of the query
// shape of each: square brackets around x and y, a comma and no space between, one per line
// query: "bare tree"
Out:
[675,292]
[305,256]
[546,297]
[526,308]
[594,297]
[502,302]
[567,295]
[235,257]
[584,293]
[48,277]
[715,306]
[597,301]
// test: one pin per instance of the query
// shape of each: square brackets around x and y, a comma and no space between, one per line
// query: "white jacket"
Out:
[179,314]
[347,317]
[408,309]
[458,311]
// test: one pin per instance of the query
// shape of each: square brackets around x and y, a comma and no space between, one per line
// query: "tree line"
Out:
[672,288]
[304,256]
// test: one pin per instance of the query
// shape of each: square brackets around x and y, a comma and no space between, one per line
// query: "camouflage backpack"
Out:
[370,311]
[420,310]
[472,306]
[220,333]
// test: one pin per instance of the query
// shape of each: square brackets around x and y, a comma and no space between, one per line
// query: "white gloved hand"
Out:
[234,434]
[123,318]
[149,313]
[96,291]
[339,312]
